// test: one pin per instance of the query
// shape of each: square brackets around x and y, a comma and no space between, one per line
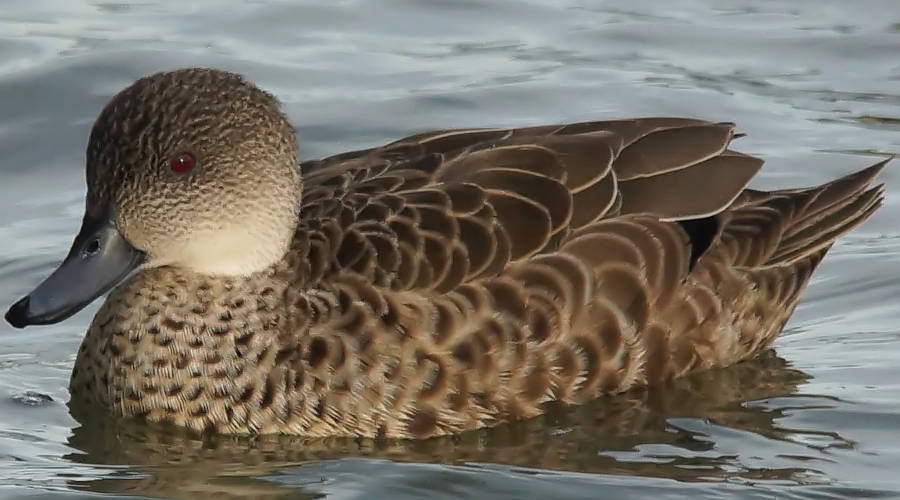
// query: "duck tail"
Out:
[784,227]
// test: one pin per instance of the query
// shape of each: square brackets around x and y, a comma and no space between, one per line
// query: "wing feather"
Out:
[437,209]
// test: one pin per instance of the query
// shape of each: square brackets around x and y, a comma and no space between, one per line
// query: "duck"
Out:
[449,281]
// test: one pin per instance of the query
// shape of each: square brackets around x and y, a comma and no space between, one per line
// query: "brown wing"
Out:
[437,209]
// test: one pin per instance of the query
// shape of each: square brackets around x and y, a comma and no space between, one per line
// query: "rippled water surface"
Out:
[815,85]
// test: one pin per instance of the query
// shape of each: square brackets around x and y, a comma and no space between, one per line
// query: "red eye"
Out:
[182,162]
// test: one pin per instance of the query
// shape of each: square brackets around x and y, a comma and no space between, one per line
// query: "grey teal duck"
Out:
[449,281]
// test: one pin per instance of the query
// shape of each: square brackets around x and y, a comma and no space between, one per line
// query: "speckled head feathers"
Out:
[235,210]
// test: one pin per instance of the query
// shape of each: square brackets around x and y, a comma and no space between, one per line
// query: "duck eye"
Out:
[182,162]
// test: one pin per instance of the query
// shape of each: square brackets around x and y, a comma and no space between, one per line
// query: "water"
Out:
[815,84]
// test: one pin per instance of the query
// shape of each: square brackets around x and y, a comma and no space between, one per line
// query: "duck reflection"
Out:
[603,436]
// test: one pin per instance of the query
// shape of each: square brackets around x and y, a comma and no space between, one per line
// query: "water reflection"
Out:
[660,432]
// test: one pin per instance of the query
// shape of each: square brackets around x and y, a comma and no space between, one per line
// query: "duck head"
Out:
[194,168]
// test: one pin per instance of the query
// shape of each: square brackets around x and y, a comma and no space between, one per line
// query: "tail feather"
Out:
[785,226]
[841,189]
[825,230]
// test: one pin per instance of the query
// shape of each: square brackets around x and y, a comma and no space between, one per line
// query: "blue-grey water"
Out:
[815,84]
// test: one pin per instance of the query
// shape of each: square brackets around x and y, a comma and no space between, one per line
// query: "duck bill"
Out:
[99,259]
